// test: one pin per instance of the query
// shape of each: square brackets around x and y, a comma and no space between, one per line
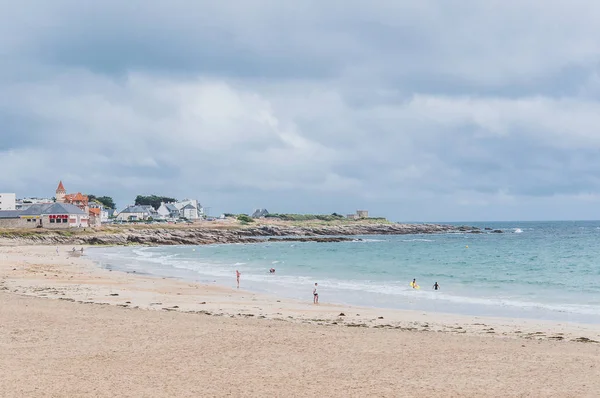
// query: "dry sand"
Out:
[164,337]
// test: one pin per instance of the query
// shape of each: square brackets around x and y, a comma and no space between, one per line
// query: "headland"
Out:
[229,231]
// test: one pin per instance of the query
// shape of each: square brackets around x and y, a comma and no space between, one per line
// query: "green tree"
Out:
[153,200]
[106,201]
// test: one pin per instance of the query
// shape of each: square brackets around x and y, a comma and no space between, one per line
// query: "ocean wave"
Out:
[517,230]
[174,262]
[369,240]
[417,240]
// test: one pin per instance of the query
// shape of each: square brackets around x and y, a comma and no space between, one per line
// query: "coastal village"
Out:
[76,210]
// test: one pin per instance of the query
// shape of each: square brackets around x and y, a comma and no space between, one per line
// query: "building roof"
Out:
[95,211]
[10,213]
[135,209]
[51,208]
[76,197]
[61,187]
[171,207]
[188,206]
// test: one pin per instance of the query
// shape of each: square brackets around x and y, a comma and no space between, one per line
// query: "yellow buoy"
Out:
[467,246]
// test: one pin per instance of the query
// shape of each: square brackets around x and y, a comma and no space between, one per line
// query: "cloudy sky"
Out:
[429,110]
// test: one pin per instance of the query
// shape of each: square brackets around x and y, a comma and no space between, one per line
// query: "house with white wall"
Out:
[134,213]
[168,211]
[8,201]
[190,209]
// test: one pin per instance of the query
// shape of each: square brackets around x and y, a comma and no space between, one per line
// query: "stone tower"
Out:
[60,193]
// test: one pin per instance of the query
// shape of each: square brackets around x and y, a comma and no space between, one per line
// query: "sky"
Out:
[429,110]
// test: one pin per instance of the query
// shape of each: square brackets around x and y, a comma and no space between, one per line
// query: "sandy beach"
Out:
[69,328]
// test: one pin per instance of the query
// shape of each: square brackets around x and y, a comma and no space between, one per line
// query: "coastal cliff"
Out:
[197,235]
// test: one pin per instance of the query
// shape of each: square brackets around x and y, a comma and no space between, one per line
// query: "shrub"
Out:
[245,218]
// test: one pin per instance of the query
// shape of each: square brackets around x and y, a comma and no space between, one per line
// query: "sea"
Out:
[533,270]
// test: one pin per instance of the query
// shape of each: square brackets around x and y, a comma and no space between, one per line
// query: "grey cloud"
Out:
[425,110]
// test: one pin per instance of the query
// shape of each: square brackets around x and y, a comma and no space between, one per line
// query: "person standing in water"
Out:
[436,286]
[237,278]
[315,295]
[414,284]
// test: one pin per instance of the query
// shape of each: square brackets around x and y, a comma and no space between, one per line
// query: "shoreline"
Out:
[38,271]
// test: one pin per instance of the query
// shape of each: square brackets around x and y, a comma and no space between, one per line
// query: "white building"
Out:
[168,211]
[8,201]
[190,209]
[187,208]
[134,213]
[25,203]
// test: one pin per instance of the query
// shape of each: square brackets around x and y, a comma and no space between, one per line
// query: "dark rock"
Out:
[379,317]
[497,231]
[114,294]
[342,314]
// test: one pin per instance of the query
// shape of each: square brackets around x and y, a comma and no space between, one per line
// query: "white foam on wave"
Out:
[517,230]
[417,240]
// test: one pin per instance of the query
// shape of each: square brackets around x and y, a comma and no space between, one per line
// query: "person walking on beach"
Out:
[436,286]
[237,278]
[315,295]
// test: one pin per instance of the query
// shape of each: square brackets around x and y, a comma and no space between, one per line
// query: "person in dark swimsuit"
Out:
[315,295]
[436,286]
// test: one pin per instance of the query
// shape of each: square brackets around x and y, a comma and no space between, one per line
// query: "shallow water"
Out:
[539,270]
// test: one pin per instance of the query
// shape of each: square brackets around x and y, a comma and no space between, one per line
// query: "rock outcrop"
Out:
[247,234]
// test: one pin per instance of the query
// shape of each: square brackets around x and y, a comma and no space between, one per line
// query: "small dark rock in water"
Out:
[487,228]
[497,231]
[342,314]
[380,317]
[584,340]
[114,294]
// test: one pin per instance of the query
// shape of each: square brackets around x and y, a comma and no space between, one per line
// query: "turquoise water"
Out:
[539,270]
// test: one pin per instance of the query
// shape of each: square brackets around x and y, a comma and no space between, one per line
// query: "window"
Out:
[52,221]
[29,220]
[65,220]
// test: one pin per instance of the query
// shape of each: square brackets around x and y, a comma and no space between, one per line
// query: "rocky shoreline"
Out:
[245,234]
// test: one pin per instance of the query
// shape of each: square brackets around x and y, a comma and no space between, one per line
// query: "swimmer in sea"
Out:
[414,284]
[436,286]
[272,270]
